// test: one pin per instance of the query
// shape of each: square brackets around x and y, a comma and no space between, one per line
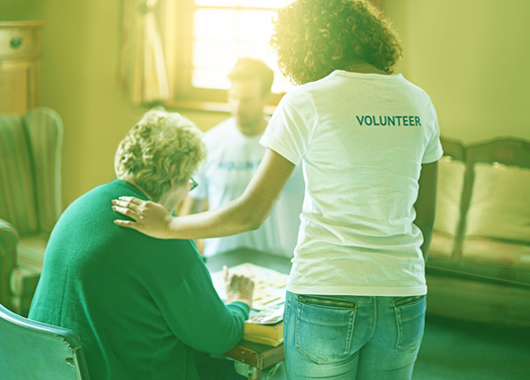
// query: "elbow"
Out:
[226,341]
[252,218]
[250,223]
[255,223]
[221,349]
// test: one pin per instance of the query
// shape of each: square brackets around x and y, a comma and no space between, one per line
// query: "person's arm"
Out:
[248,212]
[425,205]
[193,310]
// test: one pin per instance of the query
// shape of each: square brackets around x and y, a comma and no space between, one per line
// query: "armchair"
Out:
[30,200]
[35,350]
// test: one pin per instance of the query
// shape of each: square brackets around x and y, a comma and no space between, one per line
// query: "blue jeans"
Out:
[352,337]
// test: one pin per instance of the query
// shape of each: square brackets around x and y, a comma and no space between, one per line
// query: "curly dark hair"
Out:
[312,38]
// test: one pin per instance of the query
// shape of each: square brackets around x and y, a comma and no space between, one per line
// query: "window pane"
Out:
[254,50]
[210,78]
[270,4]
[215,24]
[255,25]
[217,3]
[281,83]
[214,54]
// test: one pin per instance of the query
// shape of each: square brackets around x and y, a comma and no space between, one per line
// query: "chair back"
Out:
[32,350]
[30,170]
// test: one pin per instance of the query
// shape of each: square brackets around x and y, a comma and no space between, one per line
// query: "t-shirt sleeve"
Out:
[291,127]
[434,150]
[194,311]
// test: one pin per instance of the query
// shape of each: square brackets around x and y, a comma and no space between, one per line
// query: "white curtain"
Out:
[143,71]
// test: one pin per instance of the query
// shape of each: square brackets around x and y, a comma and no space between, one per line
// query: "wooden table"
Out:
[252,358]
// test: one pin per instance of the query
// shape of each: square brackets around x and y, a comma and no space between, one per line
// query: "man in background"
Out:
[234,154]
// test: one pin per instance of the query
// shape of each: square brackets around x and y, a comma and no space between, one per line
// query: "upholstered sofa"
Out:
[479,262]
[30,200]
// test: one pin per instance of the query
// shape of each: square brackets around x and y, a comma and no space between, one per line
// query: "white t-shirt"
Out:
[362,139]
[232,160]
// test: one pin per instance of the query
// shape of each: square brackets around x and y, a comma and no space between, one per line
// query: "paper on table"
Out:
[269,285]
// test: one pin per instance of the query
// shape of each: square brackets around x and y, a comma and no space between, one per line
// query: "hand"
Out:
[238,288]
[149,217]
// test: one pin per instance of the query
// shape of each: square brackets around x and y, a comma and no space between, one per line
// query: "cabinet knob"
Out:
[16,42]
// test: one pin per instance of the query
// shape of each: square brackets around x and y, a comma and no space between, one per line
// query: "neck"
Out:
[133,182]
[363,68]
[255,129]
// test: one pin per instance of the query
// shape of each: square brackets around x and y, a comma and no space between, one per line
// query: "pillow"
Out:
[500,203]
[450,183]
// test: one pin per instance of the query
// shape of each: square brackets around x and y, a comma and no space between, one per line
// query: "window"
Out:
[212,35]
[204,38]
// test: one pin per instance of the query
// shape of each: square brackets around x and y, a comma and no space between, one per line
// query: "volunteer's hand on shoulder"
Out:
[147,217]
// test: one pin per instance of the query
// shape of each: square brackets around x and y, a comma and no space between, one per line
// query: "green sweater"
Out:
[139,304]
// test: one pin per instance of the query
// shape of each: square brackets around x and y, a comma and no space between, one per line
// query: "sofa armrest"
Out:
[8,258]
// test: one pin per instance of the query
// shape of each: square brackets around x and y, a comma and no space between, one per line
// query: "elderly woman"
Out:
[141,306]
[368,142]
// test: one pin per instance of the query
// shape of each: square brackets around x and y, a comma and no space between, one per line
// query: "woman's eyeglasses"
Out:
[193,184]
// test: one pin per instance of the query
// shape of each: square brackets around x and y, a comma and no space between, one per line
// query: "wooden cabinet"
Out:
[20,62]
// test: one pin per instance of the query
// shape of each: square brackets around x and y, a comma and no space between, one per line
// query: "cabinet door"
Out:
[18,85]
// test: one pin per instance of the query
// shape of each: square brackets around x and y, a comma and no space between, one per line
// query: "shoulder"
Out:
[299,102]
[417,90]
[296,99]
[225,127]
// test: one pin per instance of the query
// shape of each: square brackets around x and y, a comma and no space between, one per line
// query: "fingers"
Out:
[130,206]
[136,207]
[126,223]
[135,215]
[226,274]
[131,200]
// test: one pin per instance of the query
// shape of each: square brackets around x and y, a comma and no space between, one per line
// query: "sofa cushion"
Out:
[449,196]
[450,183]
[500,201]
[17,192]
[496,259]
[478,300]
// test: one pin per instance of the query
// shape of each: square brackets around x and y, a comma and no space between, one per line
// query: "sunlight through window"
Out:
[225,30]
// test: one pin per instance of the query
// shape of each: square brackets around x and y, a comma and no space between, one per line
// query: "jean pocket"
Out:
[324,327]
[410,318]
